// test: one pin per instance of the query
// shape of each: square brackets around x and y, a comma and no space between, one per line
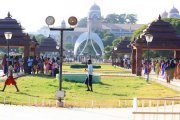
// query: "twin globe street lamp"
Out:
[50,21]
[8,36]
[149,39]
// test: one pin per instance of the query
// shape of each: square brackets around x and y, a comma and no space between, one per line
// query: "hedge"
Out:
[83,66]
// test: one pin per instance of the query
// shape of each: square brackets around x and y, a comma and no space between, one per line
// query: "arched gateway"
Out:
[19,38]
[164,38]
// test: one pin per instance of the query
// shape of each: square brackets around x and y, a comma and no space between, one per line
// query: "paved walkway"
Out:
[175,84]
[12,112]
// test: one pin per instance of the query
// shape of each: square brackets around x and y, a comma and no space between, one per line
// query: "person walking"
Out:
[89,78]
[10,80]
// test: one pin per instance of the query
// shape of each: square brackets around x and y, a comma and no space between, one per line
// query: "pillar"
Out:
[26,51]
[177,54]
[138,61]
[133,59]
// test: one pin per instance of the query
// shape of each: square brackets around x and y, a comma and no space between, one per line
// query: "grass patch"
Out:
[40,90]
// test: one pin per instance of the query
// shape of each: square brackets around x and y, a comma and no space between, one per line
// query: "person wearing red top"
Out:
[10,80]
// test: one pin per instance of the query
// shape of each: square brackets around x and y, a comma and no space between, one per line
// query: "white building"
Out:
[94,20]
[173,13]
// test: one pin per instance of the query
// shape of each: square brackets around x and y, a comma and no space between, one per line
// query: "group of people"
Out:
[168,69]
[35,65]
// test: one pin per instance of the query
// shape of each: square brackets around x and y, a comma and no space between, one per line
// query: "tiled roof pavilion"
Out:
[19,38]
[164,38]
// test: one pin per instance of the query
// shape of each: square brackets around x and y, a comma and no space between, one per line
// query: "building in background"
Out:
[94,20]
[173,13]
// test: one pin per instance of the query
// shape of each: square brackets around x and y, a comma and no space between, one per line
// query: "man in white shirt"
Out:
[88,81]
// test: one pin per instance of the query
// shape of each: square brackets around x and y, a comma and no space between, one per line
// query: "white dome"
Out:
[174,10]
[164,14]
[95,7]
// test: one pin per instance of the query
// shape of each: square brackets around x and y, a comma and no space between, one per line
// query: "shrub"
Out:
[83,66]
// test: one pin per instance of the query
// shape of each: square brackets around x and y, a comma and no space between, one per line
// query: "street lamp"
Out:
[8,36]
[50,21]
[115,56]
[115,48]
[149,39]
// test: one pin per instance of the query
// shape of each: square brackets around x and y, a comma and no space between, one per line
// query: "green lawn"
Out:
[40,90]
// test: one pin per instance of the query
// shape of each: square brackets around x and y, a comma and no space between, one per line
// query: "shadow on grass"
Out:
[119,94]
[23,93]
[105,84]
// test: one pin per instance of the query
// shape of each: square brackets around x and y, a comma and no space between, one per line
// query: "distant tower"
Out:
[164,14]
[94,17]
[94,23]
[174,13]
[63,24]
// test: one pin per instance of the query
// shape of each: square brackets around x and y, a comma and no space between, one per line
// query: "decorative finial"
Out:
[9,15]
[159,17]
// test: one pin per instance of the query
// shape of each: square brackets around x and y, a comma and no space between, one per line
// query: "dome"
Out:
[164,14]
[174,10]
[95,7]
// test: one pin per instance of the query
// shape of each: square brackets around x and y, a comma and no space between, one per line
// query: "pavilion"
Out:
[48,47]
[164,38]
[19,38]
[121,51]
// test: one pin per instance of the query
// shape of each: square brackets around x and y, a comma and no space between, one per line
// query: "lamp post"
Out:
[149,39]
[50,21]
[115,57]
[8,36]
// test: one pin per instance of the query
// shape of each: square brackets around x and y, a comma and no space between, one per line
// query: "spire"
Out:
[159,18]
[9,15]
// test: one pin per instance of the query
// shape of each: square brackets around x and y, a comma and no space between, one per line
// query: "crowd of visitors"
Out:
[125,63]
[168,69]
[32,65]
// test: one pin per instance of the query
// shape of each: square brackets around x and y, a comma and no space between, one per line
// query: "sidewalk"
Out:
[175,84]
[12,112]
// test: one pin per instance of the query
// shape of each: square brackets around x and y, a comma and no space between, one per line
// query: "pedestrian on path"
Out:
[10,80]
[88,81]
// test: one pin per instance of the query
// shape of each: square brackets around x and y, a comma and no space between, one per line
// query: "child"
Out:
[10,80]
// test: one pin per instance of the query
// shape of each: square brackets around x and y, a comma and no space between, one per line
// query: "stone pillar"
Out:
[26,51]
[133,59]
[138,61]
[177,54]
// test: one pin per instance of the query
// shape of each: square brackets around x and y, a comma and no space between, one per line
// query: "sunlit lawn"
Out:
[40,90]
[105,69]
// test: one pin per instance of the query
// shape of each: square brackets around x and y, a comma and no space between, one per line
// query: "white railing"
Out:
[156,109]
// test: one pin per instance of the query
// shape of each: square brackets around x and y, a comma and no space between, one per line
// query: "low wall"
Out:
[78,77]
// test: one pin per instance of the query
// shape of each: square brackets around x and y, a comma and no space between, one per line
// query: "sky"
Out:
[32,13]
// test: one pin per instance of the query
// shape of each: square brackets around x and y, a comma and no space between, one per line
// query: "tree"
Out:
[112,18]
[40,38]
[138,32]
[108,39]
[82,22]
[121,18]
[117,40]
[107,52]
[131,18]
[175,23]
